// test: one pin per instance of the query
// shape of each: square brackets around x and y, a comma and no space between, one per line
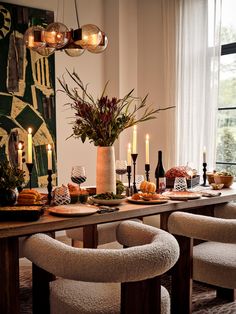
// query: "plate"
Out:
[129,199]
[182,195]
[107,202]
[72,210]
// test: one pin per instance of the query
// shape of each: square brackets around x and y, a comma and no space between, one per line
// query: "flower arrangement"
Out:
[10,176]
[102,120]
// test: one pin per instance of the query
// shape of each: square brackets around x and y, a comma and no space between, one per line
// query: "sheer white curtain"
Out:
[198,56]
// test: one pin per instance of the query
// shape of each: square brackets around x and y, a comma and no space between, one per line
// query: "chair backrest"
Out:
[227,211]
[150,252]
[202,227]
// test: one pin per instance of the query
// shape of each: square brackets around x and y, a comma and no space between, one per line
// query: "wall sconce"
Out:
[58,37]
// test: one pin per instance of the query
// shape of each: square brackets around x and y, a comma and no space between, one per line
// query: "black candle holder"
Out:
[49,186]
[204,174]
[147,170]
[30,167]
[129,175]
[134,158]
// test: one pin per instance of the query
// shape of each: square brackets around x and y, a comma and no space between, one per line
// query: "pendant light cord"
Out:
[76,11]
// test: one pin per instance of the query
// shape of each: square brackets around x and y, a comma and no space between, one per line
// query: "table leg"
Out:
[9,276]
[90,236]
[40,287]
[141,296]
[181,299]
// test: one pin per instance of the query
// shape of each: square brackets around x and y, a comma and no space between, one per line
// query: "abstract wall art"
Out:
[27,91]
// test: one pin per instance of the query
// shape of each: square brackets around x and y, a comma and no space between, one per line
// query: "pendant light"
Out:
[73,49]
[33,37]
[46,51]
[102,45]
[57,36]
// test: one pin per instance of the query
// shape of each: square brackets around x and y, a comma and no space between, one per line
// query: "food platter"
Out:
[145,202]
[72,210]
[182,195]
[21,212]
[108,201]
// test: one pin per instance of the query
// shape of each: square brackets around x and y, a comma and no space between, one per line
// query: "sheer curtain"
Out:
[198,57]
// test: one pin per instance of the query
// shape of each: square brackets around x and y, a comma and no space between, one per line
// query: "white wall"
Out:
[133,59]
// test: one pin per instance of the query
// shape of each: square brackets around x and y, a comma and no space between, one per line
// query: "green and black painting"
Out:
[27,91]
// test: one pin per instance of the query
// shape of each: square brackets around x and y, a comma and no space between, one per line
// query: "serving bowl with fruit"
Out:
[224,177]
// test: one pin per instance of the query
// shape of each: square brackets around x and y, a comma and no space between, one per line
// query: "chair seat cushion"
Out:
[215,263]
[73,297]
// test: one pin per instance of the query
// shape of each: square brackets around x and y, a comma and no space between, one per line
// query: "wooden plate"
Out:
[72,210]
[161,201]
[182,195]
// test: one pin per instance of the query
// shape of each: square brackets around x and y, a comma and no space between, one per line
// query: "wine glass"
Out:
[78,175]
[121,168]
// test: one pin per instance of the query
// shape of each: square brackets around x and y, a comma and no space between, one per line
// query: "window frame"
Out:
[227,49]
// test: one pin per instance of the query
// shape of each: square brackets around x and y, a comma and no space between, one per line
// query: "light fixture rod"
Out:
[77,16]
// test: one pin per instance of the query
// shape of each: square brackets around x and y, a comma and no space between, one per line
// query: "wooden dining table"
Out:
[11,231]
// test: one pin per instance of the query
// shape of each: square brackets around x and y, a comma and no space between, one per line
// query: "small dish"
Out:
[217,186]
[107,202]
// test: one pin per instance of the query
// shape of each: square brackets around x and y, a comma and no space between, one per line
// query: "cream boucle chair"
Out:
[106,233]
[90,278]
[214,261]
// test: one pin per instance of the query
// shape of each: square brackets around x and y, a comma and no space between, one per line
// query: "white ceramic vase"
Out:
[106,175]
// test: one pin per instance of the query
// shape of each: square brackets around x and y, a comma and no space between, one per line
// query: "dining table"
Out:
[12,231]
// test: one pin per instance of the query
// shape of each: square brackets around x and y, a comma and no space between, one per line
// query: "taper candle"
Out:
[147,149]
[204,154]
[49,157]
[20,164]
[30,146]
[129,155]
[134,148]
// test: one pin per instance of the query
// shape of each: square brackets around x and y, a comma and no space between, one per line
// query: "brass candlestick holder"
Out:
[30,167]
[147,170]
[49,186]
[134,158]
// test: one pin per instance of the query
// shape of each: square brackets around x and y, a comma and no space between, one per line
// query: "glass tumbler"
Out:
[180,184]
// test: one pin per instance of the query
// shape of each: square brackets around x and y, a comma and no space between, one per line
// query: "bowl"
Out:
[226,180]
[108,202]
[216,186]
[210,178]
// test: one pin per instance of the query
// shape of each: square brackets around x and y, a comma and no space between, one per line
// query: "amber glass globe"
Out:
[73,50]
[56,35]
[91,36]
[45,51]
[101,47]
[33,37]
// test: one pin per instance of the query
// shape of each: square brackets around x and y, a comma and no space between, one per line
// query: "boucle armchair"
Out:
[108,280]
[212,262]
[106,233]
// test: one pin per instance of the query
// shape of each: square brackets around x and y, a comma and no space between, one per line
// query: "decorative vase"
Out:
[7,197]
[106,175]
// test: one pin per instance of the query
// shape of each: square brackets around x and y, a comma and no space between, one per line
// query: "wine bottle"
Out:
[160,175]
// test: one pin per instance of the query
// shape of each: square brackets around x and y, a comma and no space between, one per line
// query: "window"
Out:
[226,129]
